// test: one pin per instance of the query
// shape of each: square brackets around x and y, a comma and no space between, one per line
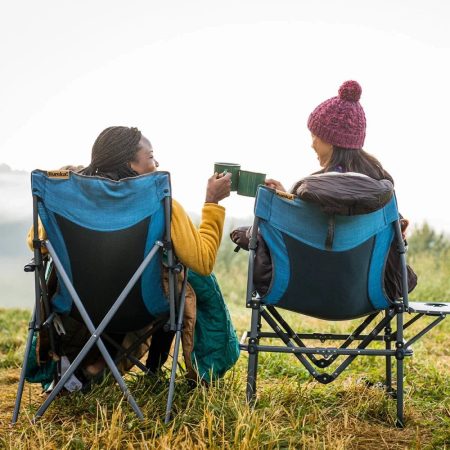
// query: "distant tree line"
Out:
[424,239]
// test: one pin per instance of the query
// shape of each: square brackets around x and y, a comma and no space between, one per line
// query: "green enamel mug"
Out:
[249,182]
[221,167]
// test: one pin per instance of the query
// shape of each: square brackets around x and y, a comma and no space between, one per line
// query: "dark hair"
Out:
[113,150]
[357,160]
[353,160]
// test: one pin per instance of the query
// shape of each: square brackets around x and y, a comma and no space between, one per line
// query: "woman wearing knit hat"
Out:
[338,129]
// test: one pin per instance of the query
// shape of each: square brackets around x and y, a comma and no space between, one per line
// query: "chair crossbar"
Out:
[325,350]
[328,354]
[321,336]
[286,339]
[157,324]
[414,319]
[95,332]
[124,353]
[425,330]
[297,337]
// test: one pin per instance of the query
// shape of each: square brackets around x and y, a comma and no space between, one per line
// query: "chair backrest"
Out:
[337,283]
[102,230]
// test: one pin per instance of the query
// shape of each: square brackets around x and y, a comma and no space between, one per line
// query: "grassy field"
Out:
[292,410]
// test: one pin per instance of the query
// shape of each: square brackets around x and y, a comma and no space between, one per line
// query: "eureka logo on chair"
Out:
[64,174]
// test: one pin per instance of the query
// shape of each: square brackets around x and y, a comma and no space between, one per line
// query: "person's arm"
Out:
[197,247]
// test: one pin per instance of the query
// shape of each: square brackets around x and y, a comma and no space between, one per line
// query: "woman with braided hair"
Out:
[121,152]
[113,152]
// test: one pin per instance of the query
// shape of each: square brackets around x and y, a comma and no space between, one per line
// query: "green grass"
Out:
[13,327]
[292,411]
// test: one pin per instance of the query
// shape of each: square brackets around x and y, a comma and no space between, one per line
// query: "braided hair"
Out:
[112,152]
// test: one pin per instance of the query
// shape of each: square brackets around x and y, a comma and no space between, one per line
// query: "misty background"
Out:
[210,80]
[16,286]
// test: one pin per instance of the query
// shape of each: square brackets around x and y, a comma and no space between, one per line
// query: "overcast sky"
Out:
[229,81]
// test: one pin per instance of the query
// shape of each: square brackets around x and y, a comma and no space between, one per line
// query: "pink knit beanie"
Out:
[340,120]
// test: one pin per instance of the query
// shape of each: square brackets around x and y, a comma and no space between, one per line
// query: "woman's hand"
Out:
[241,236]
[274,184]
[403,226]
[218,188]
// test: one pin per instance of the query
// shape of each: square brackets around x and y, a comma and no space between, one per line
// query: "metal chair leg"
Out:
[176,349]
[23,371]
[400,352]
[388,346]
[253,352]
[251,378]
[172,377]
[400,419]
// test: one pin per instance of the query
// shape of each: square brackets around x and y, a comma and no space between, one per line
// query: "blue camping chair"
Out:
[338,280]
[106,240]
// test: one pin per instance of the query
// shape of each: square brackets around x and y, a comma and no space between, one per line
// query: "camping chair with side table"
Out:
[331,267]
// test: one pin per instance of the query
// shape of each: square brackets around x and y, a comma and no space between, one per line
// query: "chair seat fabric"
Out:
[340,283]
[102,230]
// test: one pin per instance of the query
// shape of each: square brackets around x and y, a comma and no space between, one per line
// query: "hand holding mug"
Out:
[274,184]
[218,187]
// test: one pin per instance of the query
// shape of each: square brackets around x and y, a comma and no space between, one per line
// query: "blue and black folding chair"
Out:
[333,280]
[106,241]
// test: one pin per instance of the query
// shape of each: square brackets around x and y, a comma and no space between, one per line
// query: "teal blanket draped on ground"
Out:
[216,346]
[39,373]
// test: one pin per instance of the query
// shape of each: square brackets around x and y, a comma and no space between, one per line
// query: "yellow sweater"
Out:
[195,248]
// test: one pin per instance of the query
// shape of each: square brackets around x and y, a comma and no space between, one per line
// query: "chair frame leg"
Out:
[400,418]
[36,319]
[173,373]
[176,350]
[399,345]
[253,352]
[31,330]
[388,346]
[251,377]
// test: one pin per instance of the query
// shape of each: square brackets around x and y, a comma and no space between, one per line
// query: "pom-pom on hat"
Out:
[340,120]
